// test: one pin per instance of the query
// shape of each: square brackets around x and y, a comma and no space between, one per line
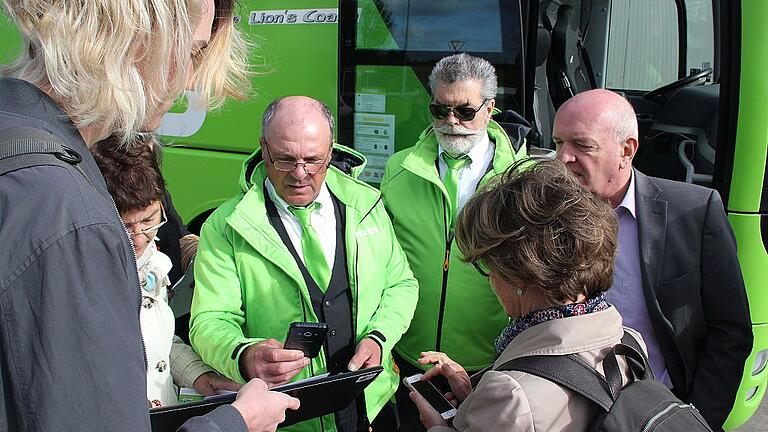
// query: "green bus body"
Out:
[369,61]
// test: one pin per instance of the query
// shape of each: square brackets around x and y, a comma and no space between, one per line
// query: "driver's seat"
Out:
[568,65]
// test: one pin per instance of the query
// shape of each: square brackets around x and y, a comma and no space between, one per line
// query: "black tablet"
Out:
[319,395]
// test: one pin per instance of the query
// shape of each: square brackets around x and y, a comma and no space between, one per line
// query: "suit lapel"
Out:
[651,207]
[651,210]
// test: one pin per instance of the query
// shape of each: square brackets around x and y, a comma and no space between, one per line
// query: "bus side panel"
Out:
[294,52]
[200,180]
[748,173]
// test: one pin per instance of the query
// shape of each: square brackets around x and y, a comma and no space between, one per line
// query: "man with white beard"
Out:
[424,187]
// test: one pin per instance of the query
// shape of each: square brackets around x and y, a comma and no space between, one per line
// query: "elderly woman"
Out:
[548,247]
[137,187]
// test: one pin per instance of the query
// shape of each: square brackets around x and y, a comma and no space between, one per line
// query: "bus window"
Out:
[388,50]
[450,25]
[642,44]
[700,53]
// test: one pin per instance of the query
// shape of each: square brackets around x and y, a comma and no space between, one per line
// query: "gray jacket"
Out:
[71,352]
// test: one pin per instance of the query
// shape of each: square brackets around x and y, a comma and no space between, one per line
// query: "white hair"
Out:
[463,67]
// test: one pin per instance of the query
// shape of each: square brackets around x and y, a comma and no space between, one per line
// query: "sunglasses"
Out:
[463,113]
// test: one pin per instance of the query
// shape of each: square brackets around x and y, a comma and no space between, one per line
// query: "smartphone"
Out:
[432,395]
[307,337]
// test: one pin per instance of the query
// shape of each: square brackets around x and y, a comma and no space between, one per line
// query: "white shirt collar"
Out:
[324,197]
[477,152]
[629,197]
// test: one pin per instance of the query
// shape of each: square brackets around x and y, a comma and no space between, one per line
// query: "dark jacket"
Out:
[71,352]
[694,291]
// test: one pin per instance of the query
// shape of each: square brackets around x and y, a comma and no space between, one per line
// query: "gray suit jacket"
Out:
[71,352]
[694,291]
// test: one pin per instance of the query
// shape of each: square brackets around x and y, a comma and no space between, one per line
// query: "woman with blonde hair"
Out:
[548,247]
[71,353]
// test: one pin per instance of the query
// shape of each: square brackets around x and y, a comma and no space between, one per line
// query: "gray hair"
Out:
[463,67]
[624,122]
[271,110]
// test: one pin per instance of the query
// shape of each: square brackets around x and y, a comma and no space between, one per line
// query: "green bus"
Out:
[693,69]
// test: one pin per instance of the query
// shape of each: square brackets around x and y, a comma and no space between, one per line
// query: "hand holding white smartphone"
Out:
[432,395]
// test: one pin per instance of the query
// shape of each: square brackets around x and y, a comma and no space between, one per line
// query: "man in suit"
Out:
[676,277]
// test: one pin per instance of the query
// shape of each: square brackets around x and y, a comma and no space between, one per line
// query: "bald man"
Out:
[303,241]
[676,277]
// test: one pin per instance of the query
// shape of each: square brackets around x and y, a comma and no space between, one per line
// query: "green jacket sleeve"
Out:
[216,328]
[400,295]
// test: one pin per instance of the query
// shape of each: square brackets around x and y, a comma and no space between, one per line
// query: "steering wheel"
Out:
[661,92]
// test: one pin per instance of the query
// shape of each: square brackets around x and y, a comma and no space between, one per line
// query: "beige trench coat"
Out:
[517,401]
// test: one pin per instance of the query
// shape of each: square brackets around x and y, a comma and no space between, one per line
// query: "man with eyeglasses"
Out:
[304,240]
[424,187]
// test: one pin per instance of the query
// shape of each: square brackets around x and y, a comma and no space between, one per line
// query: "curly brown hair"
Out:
[131,171]
[536,226]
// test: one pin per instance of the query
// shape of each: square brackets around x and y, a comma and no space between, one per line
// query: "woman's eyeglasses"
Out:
[482,268]
[152,231]
[463,113]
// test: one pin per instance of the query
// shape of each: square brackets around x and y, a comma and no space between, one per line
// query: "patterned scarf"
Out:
[543,315]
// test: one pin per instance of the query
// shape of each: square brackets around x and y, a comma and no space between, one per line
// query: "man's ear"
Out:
[628,151]
[490,105]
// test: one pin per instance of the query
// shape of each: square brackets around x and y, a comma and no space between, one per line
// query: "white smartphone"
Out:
[432,395]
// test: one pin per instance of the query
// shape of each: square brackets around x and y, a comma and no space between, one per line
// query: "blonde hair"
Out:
[106,62]
[222,69]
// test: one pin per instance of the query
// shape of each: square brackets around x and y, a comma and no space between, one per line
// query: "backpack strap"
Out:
[569,371]
[573,373]
[24,147]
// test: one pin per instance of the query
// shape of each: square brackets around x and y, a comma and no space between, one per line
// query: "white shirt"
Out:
[471,173]
[323,221]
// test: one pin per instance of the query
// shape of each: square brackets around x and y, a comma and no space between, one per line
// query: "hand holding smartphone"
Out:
[432,395]
[307,337]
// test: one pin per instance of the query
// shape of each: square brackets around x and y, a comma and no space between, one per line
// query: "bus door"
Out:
[387,50]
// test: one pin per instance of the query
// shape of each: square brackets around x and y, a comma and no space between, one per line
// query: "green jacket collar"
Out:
[250,215]
[421,160]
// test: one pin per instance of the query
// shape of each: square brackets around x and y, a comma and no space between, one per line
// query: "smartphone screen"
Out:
[432,395]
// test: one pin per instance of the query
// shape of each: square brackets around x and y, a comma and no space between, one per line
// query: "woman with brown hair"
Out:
[548,247]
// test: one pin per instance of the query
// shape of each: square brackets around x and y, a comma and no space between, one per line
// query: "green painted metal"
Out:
[10,40]
[752,132]
[751,148]
[200,180]
[289,59]
[754,266]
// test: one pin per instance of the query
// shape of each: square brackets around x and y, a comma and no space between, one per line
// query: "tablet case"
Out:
[319,395]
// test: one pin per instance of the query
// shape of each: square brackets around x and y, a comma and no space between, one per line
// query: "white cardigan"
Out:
[169,359]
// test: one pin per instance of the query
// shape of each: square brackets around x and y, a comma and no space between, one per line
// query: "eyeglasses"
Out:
[463,113]
[482,268]
[152,231]
[290,165]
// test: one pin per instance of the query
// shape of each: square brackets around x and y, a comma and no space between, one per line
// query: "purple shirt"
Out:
[627,290]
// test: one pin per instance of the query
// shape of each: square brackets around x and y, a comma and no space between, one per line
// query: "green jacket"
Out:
[249,288]
[457,312]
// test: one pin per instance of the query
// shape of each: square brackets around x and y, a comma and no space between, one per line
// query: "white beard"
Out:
[458,140]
